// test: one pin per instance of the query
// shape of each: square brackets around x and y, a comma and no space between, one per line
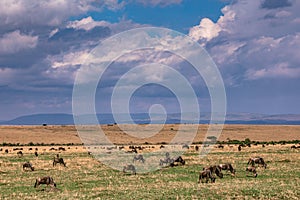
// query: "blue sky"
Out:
[255,45]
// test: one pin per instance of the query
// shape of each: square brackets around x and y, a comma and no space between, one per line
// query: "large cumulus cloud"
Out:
[254,39]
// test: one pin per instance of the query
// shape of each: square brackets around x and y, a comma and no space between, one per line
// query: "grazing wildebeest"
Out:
[221,146]
[257,160]
[227,167]
[179,159]
[252,169]
[61,149]
[20,153]
[59,160]
[36,154]
[139,158]
[295,147]
[129,168]
[28,165]
[240,148]
[6,150]
[197,148]
[206,174]
[47,180]
[214,169]
[167,160]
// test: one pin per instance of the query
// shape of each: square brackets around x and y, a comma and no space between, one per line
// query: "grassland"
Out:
[87,178]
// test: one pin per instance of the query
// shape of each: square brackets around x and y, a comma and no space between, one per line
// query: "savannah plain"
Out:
[87,178]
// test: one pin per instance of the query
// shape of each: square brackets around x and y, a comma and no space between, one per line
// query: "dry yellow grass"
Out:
[68,134]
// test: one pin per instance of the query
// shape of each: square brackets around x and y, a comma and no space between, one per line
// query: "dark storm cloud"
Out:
[273,4]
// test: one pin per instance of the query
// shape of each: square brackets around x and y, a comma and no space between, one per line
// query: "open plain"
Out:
[87,178]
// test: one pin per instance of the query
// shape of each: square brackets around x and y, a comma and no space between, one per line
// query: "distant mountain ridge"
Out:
[144,118]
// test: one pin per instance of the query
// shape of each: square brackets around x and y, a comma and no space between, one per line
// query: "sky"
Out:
[255,45]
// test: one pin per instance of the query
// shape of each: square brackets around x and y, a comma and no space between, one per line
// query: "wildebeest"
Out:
[227,167]
[240,148]
[167,160]
[139,158]
[257,160]
[36,154]
[20,153]
[47,180]
[129,167]
[220,146]
[179,159]
[214,170]
[295,147]
[61,149]
[28,165]
[6,150]
[252,169]
[59,160]
[206,174]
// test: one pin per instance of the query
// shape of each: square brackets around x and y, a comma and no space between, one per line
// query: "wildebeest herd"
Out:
[206,174]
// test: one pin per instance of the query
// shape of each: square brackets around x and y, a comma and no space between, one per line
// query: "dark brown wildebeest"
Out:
[295,147]
[36,154]
[129,167]
[257,160]
[220,146]
[61,149]
[28,165]
[59,160]
[197,148]
[206,174]
[214,170]
[252,169]
[240,148]
[139,158]
[47,180]
[179,159]
[227,167]
[6,150]
[20,153]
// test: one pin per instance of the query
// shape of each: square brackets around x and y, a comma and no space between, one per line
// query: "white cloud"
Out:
[279,70]
[68,60]
[87,23]
[251,42]
[206,30]
[15,41]
[53,13]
